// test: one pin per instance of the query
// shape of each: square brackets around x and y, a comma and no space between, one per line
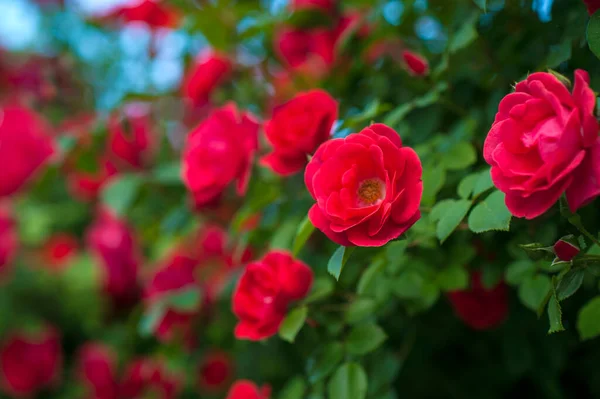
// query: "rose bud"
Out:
[130,136]
[479,307]
[215,372]
[209,71]
[415,64]
[219,152]
[592,6]
[112,243]
[149,377]
[25,147]
[30,362]
[367,187]
[543,143]
[97,371]
[565,250]
[265,290]
[297,128]
[244,389]
[86,186]
[9,239]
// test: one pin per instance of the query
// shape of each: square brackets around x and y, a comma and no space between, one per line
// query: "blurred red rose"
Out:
[297,128]
[327,6]
[97,371]
[25,147]
[218,152]
[87,185]
[155,13]
[243,389]
[544,142]
[30,362]
[367,186]
[592,5]
[565,250]
[130,136]
[59,250]
[9,239]
[264,292]
[311,50]
[209,70]
[479,307]
[415,64]
[149,377]
[113,244]
[215,372]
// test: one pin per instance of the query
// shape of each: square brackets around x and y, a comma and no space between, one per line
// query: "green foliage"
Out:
[490,214]
[348,382]
[364,338]
[338,260]
[588,321]
[120,193]
[292,323]
[593,33]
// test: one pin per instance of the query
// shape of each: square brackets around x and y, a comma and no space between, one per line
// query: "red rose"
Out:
[30,362]
[59,250]
[243,389]
[25,147]
[215,371]
[367,186]
[112,243]
[592,5]
[313,50]
[218,152]
[327,6]
[86,186]
[97,370]
[415,63]
[209,70]
[479,307]
[297,128]
[264,292]
[565,250]
[130,136]
[149,377]
[8,238]
[152,12]
[544,142]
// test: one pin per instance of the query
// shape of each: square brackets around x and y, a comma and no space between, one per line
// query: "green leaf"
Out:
[186,300]
[434,177]
[534,291]
[322,288]
[453,278]
[294,389]
[305,229]
[466,185]
[588,321]
[338,260]
[481,4]
[554,316]
[409,285]
[483,183]
[151,318]
[365,338]
[460,156]
[292,324]
[283,236]
[518,271]
[120,193]
[490,214]
[169,173]
[449,214]
[537,251]
[465,35]
[348,382]
[559,54]
[368,278]
[569,284]
[360,309]
[593,33]
[322,365]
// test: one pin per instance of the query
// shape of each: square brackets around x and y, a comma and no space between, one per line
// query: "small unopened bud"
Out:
[565,250]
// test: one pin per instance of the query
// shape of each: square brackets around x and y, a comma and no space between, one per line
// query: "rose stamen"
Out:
[370,191]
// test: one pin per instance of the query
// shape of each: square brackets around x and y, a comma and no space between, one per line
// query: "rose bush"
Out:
[394,198]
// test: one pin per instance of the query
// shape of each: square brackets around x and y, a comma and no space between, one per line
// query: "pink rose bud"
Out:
[565,250]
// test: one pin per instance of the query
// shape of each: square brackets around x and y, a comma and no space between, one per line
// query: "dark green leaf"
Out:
[518,271]
[360,309]
[466,185]
[121,192]
[368,277]
[449,214]
[365,338]
[292,324]
[409,285]
[338,260]
[323,364]
[168,174]
[460,156]
[537,251]
[294,389]
[434,177]
[554,316]
[569,284]
[490,214]
[348,382]
[186,300]
[283,236]
[465,35]
[481,4]
[593,33]
[150,320]
[483,183]
[534,291]
[588,321]
[305,229]
[452,278]
[322,288]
